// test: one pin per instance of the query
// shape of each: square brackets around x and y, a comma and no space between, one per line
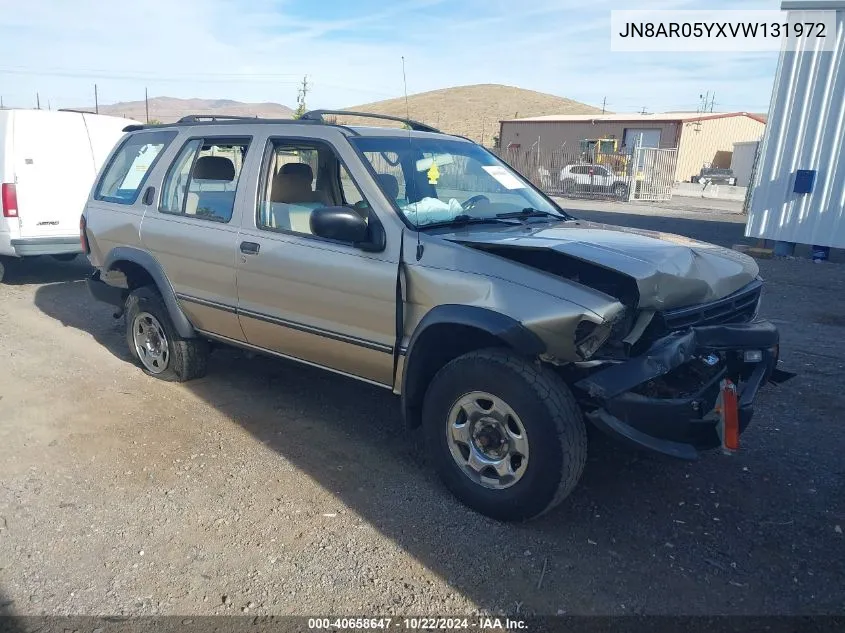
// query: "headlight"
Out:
[590,336]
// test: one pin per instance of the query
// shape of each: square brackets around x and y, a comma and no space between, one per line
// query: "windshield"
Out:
[435,181]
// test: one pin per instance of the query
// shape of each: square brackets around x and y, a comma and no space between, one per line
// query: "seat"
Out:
[389,185]
[217,203]
[291,188]
[291,203]
[303,172]
[214,168]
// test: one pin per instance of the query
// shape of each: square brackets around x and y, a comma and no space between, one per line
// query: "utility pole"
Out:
[49,107]
[147,103]
[37,101]
[1,103]
[300,98]
[644,111]
[712,101]
[96,101]
[603,105]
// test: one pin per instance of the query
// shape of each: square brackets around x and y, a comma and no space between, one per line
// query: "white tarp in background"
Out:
[806,130]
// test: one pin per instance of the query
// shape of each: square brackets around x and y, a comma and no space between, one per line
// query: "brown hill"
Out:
[474,111]
[170,109]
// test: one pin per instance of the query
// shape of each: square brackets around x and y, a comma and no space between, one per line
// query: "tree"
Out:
[300,99]
[154,122]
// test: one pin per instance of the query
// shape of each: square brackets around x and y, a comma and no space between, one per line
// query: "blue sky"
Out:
[258,50]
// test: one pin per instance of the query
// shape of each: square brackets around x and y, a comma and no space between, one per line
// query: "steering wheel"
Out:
[470,203]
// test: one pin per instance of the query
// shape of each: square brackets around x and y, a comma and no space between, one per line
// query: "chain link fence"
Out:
[644,174]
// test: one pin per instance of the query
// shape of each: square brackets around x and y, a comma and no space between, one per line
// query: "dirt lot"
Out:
[276,488]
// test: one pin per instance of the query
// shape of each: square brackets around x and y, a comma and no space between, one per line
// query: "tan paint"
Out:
[709,139]
[566,135]
[712,141]
[334,305]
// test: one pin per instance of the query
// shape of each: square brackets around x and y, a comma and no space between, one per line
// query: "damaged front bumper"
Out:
[665,399]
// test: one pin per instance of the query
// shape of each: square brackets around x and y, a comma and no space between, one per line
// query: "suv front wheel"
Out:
[154,342]
[506,435]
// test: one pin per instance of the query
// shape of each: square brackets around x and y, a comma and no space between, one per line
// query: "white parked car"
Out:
[593,179]
[48,162]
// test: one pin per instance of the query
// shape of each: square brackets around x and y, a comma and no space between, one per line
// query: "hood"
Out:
[669,270]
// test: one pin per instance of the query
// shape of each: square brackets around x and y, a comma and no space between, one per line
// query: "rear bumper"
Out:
[102,291]
[26,246]
[683,425]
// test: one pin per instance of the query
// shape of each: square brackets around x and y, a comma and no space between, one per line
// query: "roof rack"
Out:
[317,115]
[313,117]
[75,110]
[199,118]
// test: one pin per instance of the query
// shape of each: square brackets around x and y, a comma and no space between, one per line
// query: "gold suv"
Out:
[420,262]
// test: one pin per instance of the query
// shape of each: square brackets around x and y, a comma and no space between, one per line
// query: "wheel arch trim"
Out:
[153,267]
[501,326]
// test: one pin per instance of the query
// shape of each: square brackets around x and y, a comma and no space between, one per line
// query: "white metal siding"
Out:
[806,130]
[742,161]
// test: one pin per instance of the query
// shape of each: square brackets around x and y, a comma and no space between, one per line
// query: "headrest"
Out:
[214,168]
[389,185]
[290,188]
[302,170]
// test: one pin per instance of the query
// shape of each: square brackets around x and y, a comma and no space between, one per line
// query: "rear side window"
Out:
[131,164]
[203,180]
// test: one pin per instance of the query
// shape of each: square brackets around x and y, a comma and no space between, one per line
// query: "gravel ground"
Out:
[270,488]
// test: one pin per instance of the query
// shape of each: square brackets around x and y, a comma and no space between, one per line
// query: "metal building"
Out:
[701,139]
[799,192]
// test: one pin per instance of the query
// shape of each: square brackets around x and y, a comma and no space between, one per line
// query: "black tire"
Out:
[553,423]
[620,191]
[2,269]
[64,257]
[187,358]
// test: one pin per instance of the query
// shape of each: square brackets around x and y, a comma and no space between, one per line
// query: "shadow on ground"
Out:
[639,535]
[43,270]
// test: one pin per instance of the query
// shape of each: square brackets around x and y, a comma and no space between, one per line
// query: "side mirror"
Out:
[339,223]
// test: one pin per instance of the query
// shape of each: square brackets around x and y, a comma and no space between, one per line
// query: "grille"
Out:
[736,308]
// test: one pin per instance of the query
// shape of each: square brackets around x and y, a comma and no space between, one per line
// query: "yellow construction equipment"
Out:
[604,151]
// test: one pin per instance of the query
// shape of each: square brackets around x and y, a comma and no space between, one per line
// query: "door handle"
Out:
[149,194]
[250,248]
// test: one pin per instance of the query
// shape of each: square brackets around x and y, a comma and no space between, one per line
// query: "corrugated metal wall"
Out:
[712,141]
[568,134]
[806,131]
[742,161]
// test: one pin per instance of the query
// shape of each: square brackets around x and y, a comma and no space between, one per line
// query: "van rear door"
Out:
[54,169]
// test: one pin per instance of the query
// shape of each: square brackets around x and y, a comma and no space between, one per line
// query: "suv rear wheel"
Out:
[506,435]
[154,342]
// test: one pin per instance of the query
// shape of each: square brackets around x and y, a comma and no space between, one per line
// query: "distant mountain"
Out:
[474,111]
[170,109]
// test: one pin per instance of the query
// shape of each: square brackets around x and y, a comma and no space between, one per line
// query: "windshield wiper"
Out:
[530,212]
[463,219]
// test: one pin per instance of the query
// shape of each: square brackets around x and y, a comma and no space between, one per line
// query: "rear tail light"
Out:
[9,200]
[83,235]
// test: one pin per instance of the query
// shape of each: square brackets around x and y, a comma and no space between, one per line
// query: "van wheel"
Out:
[506,435]
[154,342]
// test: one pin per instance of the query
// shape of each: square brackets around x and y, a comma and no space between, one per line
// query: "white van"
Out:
[48,163]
